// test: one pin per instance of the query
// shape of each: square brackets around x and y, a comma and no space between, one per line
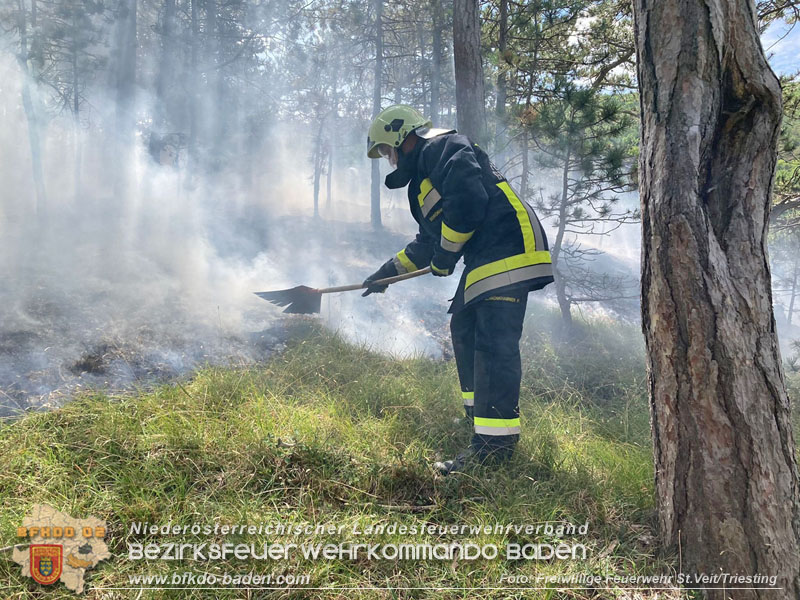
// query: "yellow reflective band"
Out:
[406,262]
[451,235]
[485,422]
[468,395]
[424,187]
[507,264]
[497,427]
[436,269]
[522,216]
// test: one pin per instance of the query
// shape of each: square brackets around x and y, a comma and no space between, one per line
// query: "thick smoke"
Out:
[112,286]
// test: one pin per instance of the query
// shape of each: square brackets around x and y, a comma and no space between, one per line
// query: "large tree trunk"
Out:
[726,477]
[375,189]
[470,109]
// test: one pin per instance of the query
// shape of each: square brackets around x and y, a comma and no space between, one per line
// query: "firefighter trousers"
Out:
[486,344]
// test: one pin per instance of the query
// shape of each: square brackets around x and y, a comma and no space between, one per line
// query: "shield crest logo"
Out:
[46,562]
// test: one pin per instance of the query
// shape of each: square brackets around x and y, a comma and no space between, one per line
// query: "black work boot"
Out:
[472,457]
[457,464]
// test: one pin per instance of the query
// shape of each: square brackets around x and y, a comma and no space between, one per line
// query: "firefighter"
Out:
[466,208]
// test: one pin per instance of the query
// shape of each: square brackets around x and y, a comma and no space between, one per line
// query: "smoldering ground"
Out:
[107,289]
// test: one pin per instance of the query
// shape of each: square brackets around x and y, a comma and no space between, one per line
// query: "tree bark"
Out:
[375,188]
[726,477]
[470,106]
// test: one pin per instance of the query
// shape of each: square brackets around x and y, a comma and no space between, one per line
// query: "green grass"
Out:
[328,432]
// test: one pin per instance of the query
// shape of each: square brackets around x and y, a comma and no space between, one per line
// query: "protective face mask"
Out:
[389,153]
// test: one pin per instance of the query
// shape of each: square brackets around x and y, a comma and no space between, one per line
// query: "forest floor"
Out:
[332,433]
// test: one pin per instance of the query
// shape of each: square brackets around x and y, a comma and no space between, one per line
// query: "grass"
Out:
[327,432]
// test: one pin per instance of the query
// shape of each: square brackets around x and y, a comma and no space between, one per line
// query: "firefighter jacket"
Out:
[465,207]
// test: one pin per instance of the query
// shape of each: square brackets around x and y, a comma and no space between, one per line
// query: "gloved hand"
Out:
[387,270]
[443,265]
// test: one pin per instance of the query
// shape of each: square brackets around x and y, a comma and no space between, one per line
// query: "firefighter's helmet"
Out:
[392,126]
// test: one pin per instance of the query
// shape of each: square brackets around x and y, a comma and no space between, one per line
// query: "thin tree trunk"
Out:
[795,273]
[40,202]
[194,85]
[76,105]
[502,92]
[164,112]
[725,472]
[375,190]
[525,164]
[318,161]
[561,286]
[213,112]
[526,142]
[125,74]
[470,110]
[436,62]
[329,178]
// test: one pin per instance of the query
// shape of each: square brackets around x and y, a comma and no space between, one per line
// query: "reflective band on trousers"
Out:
[469,398]
[403,264]
[486,426]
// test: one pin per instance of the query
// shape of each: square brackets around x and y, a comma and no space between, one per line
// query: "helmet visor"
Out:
[388,152]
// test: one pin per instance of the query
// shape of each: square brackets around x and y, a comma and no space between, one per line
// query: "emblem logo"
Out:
[46,562]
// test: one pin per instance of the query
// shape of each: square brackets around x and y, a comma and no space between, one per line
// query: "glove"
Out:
[443,265]
[387,270]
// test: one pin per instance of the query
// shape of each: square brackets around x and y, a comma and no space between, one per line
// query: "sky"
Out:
[782,44]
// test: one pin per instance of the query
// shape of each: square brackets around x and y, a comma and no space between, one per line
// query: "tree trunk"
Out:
[502,92]
[470,110]
[375,188]
[726,478]
[40,205]
[561,286]
[436,62]
[329,177]
[523,186]
[318,159]
[165,111]
[76,106]
[194,86]
[125,84]
[795,271]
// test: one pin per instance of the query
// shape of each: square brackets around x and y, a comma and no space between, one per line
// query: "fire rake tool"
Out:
[306,300]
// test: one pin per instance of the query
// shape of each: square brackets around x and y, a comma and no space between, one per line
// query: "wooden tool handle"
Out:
[387,281]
